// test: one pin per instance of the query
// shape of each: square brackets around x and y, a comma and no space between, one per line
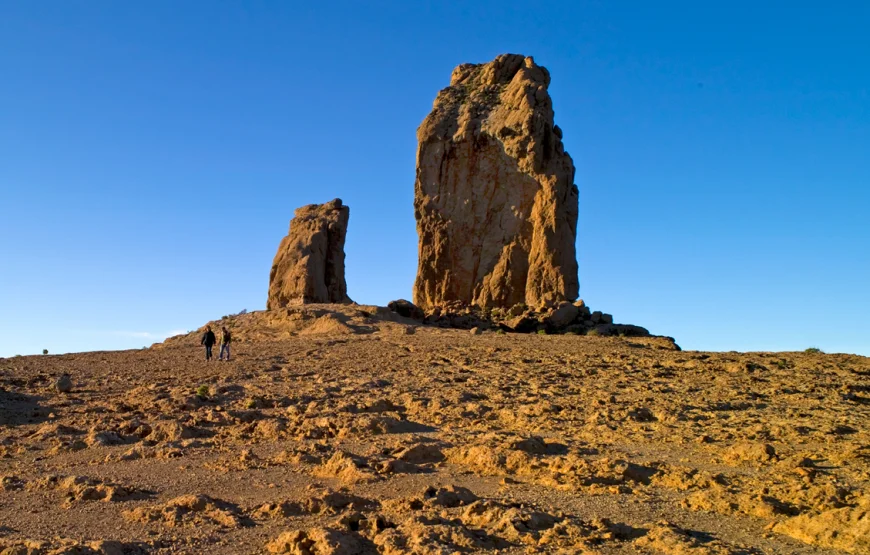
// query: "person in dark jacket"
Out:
[208,340]
[226,339]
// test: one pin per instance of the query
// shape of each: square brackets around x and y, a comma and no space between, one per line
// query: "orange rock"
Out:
[494,199]
[309,265]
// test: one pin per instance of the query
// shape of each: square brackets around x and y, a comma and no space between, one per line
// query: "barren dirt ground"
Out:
[436,442]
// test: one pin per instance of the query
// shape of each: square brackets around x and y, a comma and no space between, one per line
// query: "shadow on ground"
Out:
[19,408]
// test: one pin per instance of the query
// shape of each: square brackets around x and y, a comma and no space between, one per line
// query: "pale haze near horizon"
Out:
[151,157]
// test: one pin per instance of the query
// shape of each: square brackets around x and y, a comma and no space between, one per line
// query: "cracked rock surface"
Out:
[309,264]
[494,197]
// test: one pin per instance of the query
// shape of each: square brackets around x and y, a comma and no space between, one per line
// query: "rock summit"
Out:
[495,200]
[309,265]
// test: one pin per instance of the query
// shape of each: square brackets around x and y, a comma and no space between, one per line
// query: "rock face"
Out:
[309,265]
[495,200]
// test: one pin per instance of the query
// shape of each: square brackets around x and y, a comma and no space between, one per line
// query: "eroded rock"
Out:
[494,198]
[309,265]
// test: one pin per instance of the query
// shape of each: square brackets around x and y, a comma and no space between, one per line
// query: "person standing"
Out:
[226,339]
[208,340]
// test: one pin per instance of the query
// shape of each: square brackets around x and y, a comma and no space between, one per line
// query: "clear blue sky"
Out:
[152,154]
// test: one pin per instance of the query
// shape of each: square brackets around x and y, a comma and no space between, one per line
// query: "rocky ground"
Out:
[352,435]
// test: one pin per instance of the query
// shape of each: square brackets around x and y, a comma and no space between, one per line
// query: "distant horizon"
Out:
[154,155]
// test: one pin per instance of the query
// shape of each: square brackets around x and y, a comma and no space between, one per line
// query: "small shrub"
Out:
[813,351]
[782,364]
[593,332]
[251,404]
[542,332]
[45,351]
[499,331]
[202,391]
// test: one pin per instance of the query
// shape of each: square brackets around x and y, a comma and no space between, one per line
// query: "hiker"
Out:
[226,339]
[208,340]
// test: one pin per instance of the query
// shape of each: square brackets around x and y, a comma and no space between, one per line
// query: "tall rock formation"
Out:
[309,265]
[495,200]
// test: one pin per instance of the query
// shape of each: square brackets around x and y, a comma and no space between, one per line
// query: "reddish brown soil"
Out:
[372,440]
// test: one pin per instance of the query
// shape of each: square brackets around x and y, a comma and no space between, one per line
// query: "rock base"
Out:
[563,318]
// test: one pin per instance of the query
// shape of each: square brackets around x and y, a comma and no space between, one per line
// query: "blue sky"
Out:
[152,154]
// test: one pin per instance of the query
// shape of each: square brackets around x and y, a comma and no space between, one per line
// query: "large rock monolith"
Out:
[495,200]
[309,265]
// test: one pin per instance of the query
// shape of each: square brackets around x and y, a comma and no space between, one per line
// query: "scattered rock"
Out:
[190,510]
[752,453]
[669,539]
[642,414]
[103,437]
[563,316]
[422,536]
[63,384]
[348,468]
[329,503]
[846,528]
[421,453]
[315,541]
[82,488]
[170,430]
[449,496]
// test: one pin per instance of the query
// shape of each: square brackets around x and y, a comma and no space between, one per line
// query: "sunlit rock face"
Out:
[495,200]
[309,265]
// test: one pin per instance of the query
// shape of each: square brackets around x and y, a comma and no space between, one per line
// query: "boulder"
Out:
[517,309]
[522,324]
[309,265]
[406,309]
[563,316]
[63,384]
[494,198]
